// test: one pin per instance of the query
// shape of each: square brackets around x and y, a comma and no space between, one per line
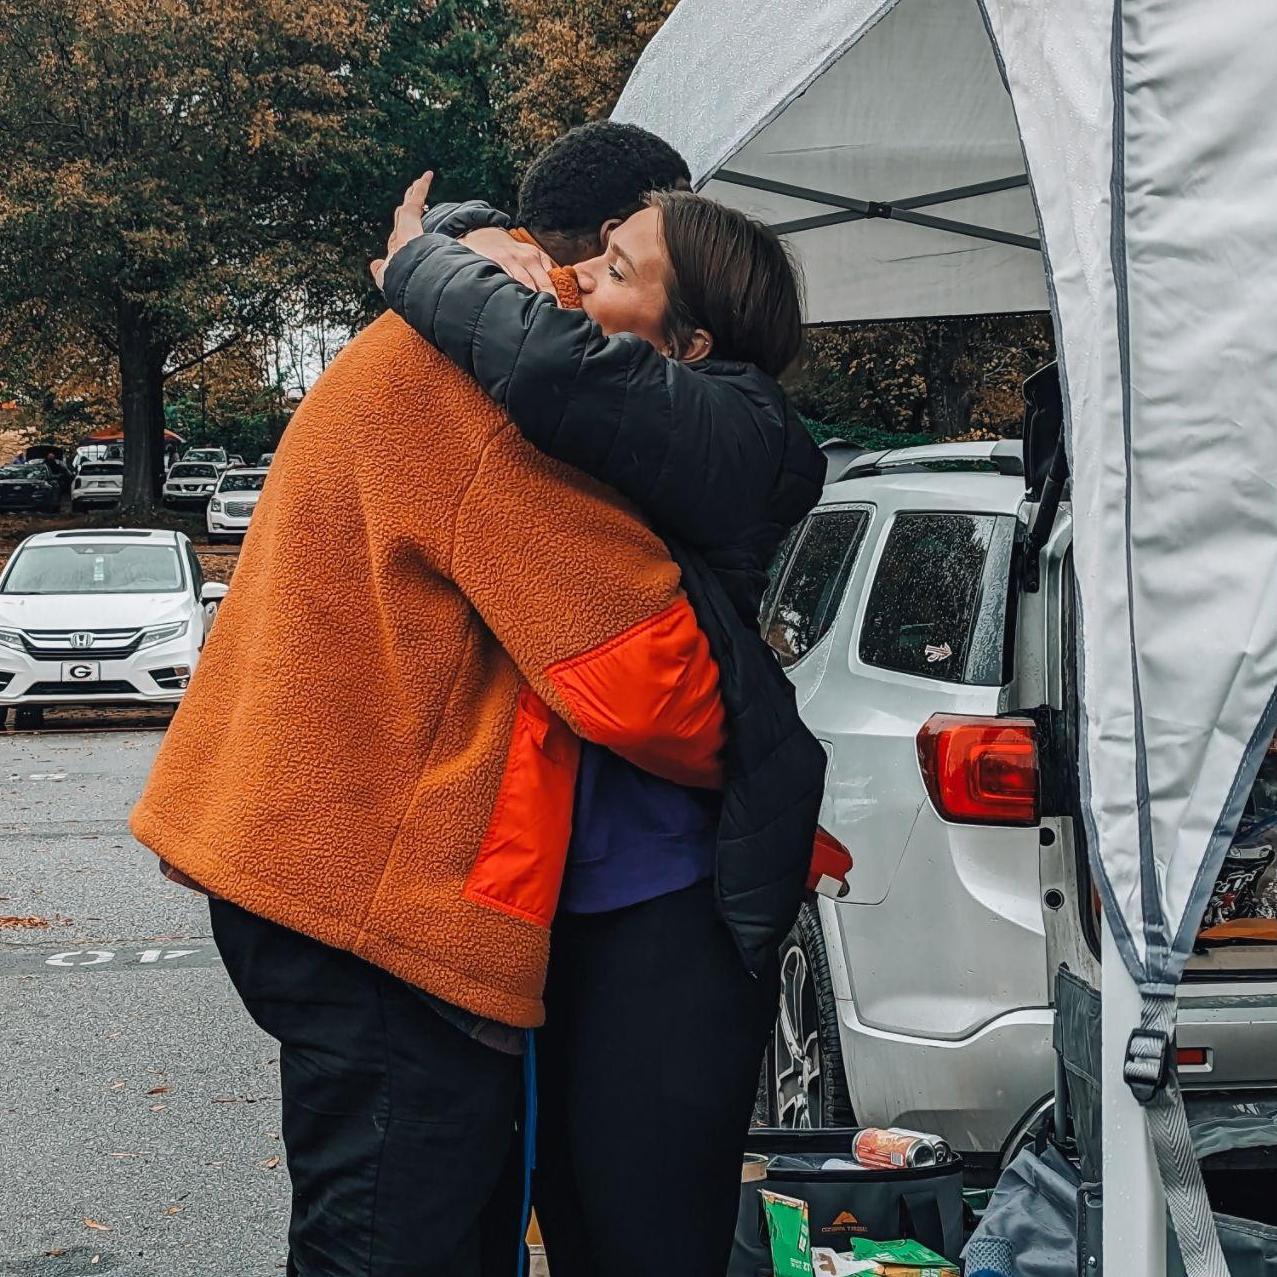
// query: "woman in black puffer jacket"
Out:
[662,977]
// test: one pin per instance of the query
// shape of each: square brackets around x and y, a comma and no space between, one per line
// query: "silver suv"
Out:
[925,614]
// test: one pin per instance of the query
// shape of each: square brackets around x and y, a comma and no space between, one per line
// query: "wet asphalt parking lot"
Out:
[139,1106]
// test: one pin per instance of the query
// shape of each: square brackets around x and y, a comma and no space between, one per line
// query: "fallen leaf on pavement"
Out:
[31,923]
[158,1090]
[176,1209]
[93,1223]
[270,1163]
[55,1254]
[158,1108]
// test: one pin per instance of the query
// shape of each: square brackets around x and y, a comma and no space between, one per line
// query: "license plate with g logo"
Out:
[82,671]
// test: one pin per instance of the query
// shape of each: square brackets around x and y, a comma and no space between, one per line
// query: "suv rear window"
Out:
[813,583]
[938,605]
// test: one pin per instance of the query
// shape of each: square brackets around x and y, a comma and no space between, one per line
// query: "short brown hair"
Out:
[732,277]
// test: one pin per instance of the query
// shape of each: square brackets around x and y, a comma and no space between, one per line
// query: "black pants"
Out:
[399,1129]
[647,1074]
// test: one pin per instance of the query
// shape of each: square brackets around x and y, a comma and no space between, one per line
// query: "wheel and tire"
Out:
[29,717]
[803,1073]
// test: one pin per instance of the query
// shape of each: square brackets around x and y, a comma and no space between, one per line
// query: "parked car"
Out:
[235,461]
[190,483]
[265,459]
[112,617]
[97,483]
[233,503]
[212,456]
[932,655]
[29,485]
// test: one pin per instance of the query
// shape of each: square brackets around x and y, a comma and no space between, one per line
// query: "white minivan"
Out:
[107,617]
[930,636]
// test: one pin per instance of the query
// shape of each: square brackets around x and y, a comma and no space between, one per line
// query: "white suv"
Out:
[208,456]
[932,656]
[110,617]
[233,503]
[97,483]
[190,483]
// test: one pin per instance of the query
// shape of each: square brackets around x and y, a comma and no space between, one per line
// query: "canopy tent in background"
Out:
[1148,132]
[115,434]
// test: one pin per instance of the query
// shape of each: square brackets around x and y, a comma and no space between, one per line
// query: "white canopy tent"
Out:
[944,157]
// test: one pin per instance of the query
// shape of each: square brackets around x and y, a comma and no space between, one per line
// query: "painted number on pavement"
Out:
[99,957]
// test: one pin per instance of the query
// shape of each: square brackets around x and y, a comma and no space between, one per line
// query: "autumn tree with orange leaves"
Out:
[172,171]
[570,60]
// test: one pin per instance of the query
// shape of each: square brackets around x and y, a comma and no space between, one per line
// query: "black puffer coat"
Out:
[711,453]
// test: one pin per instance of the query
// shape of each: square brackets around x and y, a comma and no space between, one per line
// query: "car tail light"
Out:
[981,771]
[1192,1057]
[830,863]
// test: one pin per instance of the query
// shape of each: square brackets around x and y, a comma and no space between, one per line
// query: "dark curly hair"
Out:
[594,173]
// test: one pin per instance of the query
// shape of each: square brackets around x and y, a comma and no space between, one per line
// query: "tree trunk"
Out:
[142,408]
[949,393]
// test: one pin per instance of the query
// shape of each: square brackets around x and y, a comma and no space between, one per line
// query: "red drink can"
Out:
[887,1150]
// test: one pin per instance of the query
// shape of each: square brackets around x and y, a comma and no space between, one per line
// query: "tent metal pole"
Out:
[1134,1204]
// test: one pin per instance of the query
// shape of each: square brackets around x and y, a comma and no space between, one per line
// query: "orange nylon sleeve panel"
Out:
[651,695]
[519,868]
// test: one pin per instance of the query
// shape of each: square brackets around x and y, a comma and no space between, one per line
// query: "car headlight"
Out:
[162,634]
[11,638]
[208,487]
[215,505]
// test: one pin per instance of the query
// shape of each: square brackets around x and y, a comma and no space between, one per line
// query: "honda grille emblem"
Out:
[81,639]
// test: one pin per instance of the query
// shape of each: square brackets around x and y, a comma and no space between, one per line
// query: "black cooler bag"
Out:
[924,1204]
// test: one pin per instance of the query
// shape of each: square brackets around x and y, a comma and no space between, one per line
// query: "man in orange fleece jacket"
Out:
[372,772]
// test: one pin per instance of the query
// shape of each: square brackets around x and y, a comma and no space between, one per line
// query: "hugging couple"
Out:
[485,740]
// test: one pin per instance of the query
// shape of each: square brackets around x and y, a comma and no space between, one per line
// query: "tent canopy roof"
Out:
[880,141]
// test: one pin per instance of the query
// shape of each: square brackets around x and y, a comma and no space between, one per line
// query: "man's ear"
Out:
[698,346]
[605,231]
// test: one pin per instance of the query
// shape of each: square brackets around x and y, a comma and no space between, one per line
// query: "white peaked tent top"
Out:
[1150,134]
[895,172]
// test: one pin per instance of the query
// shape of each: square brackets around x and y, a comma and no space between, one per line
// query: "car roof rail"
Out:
[1003,456]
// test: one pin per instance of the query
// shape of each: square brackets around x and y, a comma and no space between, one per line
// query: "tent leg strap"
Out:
[1151,1075]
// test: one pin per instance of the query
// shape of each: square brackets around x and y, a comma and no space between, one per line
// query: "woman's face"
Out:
[623,290]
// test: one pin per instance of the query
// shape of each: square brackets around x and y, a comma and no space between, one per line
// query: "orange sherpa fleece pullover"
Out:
[373,750]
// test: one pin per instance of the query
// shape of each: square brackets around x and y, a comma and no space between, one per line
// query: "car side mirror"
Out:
[213,592]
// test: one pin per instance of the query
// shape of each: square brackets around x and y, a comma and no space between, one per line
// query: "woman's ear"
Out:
[605,231]
[698,346]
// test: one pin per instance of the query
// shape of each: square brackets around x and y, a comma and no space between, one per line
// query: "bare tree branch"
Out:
[207,354]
